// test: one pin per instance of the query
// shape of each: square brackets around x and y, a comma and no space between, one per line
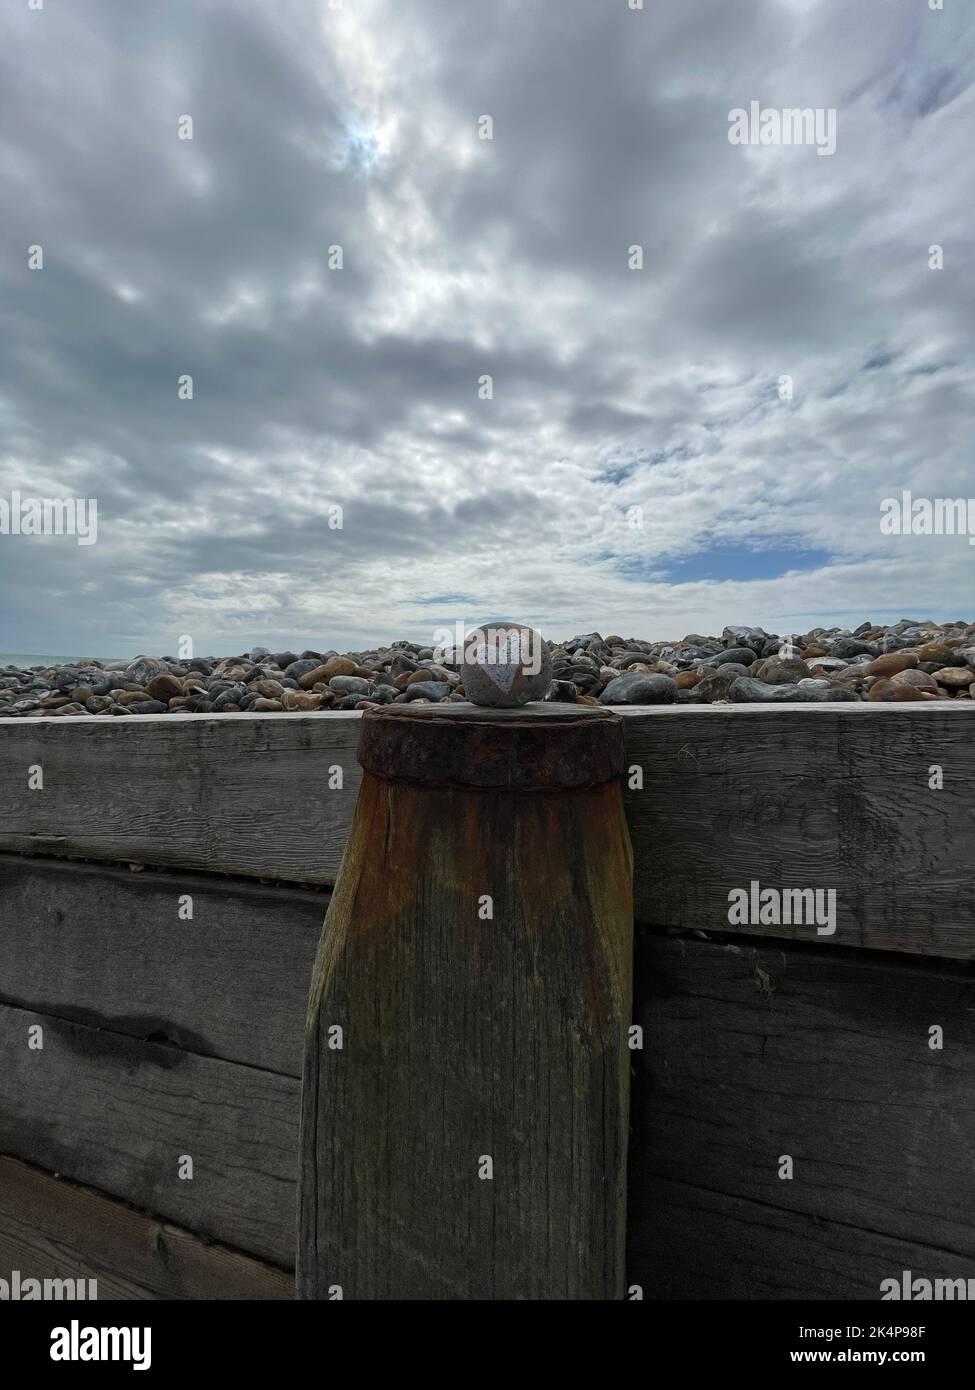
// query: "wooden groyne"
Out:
[162,889]
[465,1095]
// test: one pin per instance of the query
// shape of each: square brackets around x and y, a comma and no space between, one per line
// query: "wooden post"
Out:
[466,1077]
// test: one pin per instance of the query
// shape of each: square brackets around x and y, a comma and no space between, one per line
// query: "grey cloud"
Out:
[612,387]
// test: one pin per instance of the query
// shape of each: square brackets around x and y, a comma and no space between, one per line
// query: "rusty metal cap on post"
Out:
[535,748]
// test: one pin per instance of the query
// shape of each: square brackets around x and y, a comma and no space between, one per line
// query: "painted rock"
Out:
[505,665]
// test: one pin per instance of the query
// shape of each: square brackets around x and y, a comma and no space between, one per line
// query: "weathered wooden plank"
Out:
[51,1229]
[753,1053]
[819,796]
[801,796]
[688,1243]
[192,791]
[468,1139]
[112,949]
[118,1113]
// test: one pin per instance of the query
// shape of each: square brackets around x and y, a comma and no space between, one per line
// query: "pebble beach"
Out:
[908,660]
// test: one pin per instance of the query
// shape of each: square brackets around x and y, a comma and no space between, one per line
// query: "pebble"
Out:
[909,660]
[852,646]
[954,677]
[938,652]
[563,691]
[915,677]
[164,687]
[742,656]
[402,664]
[716,682]
[753,638]
[891,663]
[498,664]
[424,690]
[321,671]
[228,699]
[782,670]
[637,689]
[748,690]
[142,670]
[350,685]
[302,666]
[301,699]
[885,689]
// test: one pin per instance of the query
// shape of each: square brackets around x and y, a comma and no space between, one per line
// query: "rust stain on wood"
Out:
[469,1035]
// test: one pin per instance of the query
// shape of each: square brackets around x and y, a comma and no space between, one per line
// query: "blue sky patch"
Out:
[741,562]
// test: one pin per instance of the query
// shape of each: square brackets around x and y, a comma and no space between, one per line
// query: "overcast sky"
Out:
[614,388]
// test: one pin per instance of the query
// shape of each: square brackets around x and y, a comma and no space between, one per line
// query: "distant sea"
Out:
[19,659]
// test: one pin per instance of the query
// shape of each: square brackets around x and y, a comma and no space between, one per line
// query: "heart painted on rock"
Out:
[503,676]
[504,665]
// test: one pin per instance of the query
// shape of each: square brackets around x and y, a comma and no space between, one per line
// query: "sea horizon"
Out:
[21,659]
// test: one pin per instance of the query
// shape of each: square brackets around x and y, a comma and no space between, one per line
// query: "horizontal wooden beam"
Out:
[52,1229]
[123,1115]
[831,797]
[689,1243]
[754,1055]
[239,794]
[117,950]
[823,797]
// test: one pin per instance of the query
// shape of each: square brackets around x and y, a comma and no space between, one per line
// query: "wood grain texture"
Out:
[815,796]
[689,1243]
[751,1053]
[466,1038]
[51,1229]
[242,794]
[116,1113]
[822,796]
[107,947]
